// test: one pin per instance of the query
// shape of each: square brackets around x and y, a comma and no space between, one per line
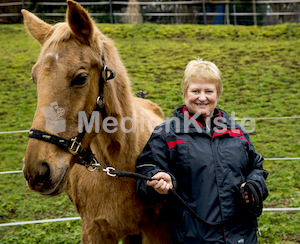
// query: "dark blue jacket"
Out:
[207,168]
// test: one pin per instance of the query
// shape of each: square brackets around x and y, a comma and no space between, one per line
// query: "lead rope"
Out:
[114,172]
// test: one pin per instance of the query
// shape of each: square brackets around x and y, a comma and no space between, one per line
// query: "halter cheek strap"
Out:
[74,145]
[100,104]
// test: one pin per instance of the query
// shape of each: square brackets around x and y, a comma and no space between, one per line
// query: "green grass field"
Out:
[261,78]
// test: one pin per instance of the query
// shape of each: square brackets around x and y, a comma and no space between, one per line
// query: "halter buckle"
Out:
[75,146]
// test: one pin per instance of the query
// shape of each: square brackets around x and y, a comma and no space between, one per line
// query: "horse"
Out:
[79,67]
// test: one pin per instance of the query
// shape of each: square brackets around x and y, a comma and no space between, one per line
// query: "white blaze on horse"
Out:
[73,73]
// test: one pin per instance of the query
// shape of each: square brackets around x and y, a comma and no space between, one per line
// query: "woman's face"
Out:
[201,97]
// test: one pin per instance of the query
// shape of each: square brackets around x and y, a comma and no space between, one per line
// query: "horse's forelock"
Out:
[63,33]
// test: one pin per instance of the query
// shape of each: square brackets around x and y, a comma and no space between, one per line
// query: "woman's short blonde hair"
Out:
[202,70]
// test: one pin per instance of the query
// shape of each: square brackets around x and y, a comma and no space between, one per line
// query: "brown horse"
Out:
[67,76]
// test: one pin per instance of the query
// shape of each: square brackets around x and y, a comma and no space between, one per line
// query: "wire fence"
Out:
[266,159]
[237,12]
[78,218]
[235,118]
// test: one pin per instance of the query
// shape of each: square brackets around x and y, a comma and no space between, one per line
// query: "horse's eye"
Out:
[80,80]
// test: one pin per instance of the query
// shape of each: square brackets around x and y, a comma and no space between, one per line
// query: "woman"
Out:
[209,161]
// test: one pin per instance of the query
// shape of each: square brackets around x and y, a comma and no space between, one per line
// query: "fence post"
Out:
[176,11]
[254,12]
[234,16]
[227,13]
[110,12]
[204,12]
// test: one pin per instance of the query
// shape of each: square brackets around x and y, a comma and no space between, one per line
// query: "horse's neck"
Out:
[116,149]
[115,143]
[117,92]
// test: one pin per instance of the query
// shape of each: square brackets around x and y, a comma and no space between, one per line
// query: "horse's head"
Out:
[66,76]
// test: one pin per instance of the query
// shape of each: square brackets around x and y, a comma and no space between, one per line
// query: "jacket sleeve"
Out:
[257,174]
[153,159]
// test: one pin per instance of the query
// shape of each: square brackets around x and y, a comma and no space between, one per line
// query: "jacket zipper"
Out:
[214,161]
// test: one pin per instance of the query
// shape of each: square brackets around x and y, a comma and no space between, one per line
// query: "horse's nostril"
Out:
[45,171]
[43,175]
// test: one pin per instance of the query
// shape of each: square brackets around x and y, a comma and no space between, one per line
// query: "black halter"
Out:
[74,145]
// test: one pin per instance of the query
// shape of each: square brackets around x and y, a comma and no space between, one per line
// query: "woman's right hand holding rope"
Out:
[161,183]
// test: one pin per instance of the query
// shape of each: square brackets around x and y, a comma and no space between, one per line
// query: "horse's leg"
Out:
[84,234]
[154,226]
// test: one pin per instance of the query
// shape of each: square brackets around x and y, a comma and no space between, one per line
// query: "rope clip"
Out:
[109,171]
[93,166]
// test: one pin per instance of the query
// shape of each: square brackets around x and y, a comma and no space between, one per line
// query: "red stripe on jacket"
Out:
[232,133]
[172,144]
[185,112]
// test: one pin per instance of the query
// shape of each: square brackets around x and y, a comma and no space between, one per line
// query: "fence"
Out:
[243,12]
[76,218]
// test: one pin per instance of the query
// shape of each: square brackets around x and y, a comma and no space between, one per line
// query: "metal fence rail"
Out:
[172,12]
[235,118]
[266,159]
[78,218]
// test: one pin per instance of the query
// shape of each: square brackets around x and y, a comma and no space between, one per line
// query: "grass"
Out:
[260,69]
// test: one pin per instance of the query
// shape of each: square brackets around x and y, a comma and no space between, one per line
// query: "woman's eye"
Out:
[80,80]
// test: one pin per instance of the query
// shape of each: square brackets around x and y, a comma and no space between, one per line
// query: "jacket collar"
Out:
[189,123]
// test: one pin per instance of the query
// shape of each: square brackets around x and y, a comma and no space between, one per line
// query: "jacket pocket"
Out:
[179,159]
[234,155]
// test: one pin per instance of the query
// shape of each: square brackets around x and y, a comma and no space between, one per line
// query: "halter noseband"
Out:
[73,145]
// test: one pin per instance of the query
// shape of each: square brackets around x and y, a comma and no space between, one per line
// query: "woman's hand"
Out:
[161,183]
[246,194]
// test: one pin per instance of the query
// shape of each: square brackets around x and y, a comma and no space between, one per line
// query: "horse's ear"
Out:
[39,29]
[80,22]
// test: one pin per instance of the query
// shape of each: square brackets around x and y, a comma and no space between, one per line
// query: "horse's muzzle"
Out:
[42,179]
